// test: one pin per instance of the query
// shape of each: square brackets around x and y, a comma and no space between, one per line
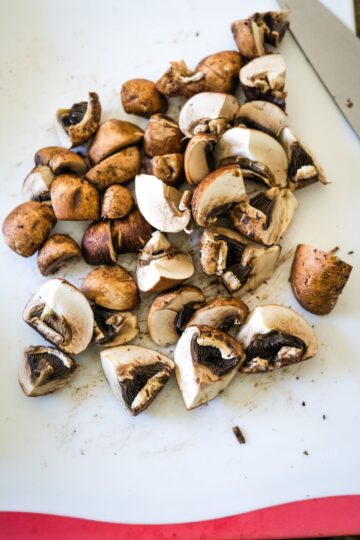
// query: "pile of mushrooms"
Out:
[135,186]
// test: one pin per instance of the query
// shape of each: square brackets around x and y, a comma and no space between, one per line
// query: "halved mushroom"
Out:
[162,136]
[266,217]
[111,287]
[136,375]
[117,202]
[74,198]
[36,186]
[221,313]
[168,168]
[216,194]
[139,96]
[179,80]
[43,370]
[275,336]
[170,312]
[274,25]
[259,155]
[58,251]
[97,243]
[262,115]
[206,361]
[163,206]
[62,315]
[318,278]
[208,112]
[131,233]
[199,157]
[264,78]
[221,71]
[112,136]
[116,169]
[60,160]
[241,265]
[114,328]
[28,226]
[249,38]
[162,266]
[303,169]
[76,125]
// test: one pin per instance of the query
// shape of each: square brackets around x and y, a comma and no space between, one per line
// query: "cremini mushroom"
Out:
[112,136]
[249,38]
[162,266]
[28,226]
[179,80]
[264,78]
[162,136]
[221,71]
[199,157]
[76,125]
[170,312]
[221,313]
[136,375]
[111,287]
[60,160]
[43,370]
[62,315]
[97,243]
[74,198]
[58,251]
[318,278]
[36,186]
[266,216]
[216,194]
[131,233]
[117,202]
[139,96]
[116,169]
[262,115]
[275,336]
[114,328]
[274,25]
[206,361]
[168,168]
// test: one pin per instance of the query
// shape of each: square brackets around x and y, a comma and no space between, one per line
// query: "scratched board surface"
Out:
[78,452]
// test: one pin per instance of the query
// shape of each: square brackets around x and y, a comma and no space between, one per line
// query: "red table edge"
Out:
[328,516]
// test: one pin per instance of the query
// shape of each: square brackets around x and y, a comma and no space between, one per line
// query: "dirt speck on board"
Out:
[349,103]
[239,435]
[306,453]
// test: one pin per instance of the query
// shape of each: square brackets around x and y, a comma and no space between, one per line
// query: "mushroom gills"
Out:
[51,325]
[73,116]
[212,358]
[183,316]
[265,205]
[113,327]
[139,378]
[235,251]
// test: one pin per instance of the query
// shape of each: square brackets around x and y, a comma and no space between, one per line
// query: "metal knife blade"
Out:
[332,50]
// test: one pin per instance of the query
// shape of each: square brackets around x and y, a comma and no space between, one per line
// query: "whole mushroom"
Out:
[139,96]
[74,198]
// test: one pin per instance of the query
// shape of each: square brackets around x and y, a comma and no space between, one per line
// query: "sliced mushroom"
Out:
[206,361]
[264,78]
[111,287]
[136,375]
[27,227]
[266,217]
[36,186]
[199,157]
[112,136]
[117,202]
[259,155]
[318,278]
[60,160]
[43,370]
[62,315]
[179,80]
[262,115]
[163,206]
[216,194]
[168,168]
[275,336]
[76,125]
[303,170]
[97,244]
[221,313]
[114,328]
[208,112]
[274,25]
[139,96]
[116,169]
[249,38]
[162,136]
[170,312]
[58,251]
[131,233]
[162,266]
[221,71]
[74,199]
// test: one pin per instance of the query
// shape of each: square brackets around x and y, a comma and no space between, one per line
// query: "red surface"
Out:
[330,516]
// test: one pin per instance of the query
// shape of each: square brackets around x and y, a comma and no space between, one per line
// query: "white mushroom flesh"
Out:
[36,186]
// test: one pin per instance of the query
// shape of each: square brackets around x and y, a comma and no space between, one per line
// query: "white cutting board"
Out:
[78,452]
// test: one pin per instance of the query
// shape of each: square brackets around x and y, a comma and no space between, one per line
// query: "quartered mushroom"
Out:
[117,202]
[136,375]
[221,313]
[76,125]
[170,312]
[139,96]
[179,80]
[111,287]
[262,115]
[216,194]
[116,169]
[260,156]
[112,136]
[131,233]
[265,217]
[275,336]
[97,243]
[60,160]
[249,38]
[303,169]
[74,198]
[221,71]
[58,251]
[43,370]
[206,361]
[199,157]
[62,315]
[274,25]
[208,112]
[318,278]
[264,78]
[36,186]
[161,265]
[169,168]
[112,327]
[163,206]
[162,136]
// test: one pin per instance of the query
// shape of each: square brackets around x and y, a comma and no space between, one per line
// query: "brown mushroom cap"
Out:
[249,38]
[168,168]
[221,71]
[112,136]
[97,244]
[116,169]
[162,136]
[318,278]
[58,251]
[60,160]
[111,287]
[117,202]
[74,199]
[27,227]
[179,80]
[217,312]
[139,96]
[131,233]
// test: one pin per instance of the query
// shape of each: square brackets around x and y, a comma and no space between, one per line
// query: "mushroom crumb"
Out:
[306,453]
[303,404]
[239,435]
[324,417]
[349,103]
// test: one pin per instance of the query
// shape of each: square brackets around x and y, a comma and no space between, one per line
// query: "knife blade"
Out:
[332,50]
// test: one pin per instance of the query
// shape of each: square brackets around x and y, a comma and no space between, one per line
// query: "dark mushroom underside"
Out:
[267,346]
[131,386]
[74,115]
[211,358]
[233,259]
[299,158]
[265,205]
[39,361]
[183,316]
[108,322]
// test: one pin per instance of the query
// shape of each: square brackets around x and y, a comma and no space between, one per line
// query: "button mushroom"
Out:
[114,328]
[112,136]
[275,336]
[136,375]
[179,80]
[221,71]
[62,315]
[199,157]
[221,313]
[43,370]
[168,168]
[130,233]
[264,78]
[162,266]
[111,287]
[74,199]
[318,278]
[274,25]
[162,136]
[139,96]
[170,312]
[206,361]
[249,38]
[58,251]
[76,125]
[262,115]
[116,169]
[97,243]
[117,202]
